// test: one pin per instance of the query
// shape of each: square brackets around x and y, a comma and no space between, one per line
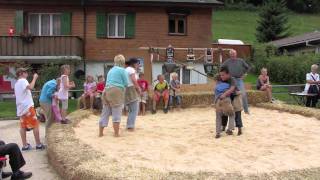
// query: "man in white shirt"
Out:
[25,108]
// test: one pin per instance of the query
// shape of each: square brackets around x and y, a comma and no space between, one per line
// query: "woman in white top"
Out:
[132,92]
[312,86]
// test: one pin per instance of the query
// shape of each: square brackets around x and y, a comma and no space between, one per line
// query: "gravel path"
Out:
[37,161]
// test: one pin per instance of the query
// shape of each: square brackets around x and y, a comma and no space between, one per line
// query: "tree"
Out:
[273,22]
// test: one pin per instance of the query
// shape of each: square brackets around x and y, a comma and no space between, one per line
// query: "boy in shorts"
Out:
[25,108]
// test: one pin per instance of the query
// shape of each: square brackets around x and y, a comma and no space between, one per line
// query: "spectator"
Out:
[161,89]
[100,85]
[25,108]
[312,86]
[63,94]
[263,83]
[238,68]
[90,88]
[16,161]
[46,100]
[175,89]
[144,85]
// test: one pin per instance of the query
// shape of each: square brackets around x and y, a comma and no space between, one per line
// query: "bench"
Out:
[300,97]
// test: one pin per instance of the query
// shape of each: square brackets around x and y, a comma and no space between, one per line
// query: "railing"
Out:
[282,92]
[41,46]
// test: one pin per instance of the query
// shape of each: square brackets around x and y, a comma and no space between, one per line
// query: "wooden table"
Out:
[300,97]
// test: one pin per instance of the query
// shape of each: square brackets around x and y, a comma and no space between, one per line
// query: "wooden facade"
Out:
[84,30]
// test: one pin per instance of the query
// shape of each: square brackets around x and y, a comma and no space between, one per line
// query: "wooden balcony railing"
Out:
[41,46]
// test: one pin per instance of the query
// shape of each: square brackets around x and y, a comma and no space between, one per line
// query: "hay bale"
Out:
[97,103]
[74,160]
[294,109]
[255,97]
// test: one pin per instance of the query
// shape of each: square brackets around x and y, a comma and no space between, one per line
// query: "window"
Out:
[177,24]
[44,24]
[116,25]
[184,75]
[107,68]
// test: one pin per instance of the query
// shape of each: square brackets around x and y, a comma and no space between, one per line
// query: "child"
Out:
[263,83]
[63,93]
[144,85]
[25,108]
[226,85]
[100,85]
[55,104]
[161,88]
[175,91]
[90,88]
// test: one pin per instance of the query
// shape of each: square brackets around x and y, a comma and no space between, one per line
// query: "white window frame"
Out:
[181,76]
[39,22]
[116,25]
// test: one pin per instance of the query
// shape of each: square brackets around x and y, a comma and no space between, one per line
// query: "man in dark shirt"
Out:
[16,161]
[238,68]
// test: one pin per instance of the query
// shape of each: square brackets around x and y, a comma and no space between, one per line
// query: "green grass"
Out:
[8,108]
[231,24]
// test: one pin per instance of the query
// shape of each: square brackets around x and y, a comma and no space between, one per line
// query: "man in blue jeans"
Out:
[238,68]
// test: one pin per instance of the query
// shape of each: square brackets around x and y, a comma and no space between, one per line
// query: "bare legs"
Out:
[116,129]
[23,134]
[268,89]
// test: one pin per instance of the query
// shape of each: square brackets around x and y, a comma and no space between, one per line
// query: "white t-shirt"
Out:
[23,97]
[130,71]
[311,77]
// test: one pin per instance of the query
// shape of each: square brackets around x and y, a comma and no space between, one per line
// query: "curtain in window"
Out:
[45,24]
[56,24]
[34,24]
[121,25]
[112,25]
[185,76]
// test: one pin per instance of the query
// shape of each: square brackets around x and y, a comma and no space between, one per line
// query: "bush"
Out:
[285,69]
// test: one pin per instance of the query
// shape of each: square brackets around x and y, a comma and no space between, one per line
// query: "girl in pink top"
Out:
[63,93]
[90,90]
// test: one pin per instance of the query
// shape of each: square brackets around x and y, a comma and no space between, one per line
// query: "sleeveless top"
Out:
[63,91]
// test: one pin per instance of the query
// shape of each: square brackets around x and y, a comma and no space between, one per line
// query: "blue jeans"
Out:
[177,100]
[241,87]
[133,110]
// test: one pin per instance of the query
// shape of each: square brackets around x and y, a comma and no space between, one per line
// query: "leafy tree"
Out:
[273,22]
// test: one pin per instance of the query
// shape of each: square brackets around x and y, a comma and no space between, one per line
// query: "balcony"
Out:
[40,48]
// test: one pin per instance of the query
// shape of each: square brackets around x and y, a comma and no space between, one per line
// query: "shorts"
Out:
[107,111]
[64,104]
[144,97]
[157,95]
[29,120]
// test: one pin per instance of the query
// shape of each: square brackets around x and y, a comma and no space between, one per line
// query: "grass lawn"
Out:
[229,24]
[8,108]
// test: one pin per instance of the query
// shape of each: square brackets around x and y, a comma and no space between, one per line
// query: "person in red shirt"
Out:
[101,84]
[144,85]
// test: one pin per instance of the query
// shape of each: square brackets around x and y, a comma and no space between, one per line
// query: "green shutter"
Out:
[19,22]
[130,25]
[101,25]
[66,23]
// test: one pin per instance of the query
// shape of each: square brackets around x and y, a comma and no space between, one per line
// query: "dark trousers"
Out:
[16,159]
[312,101]
[238,120]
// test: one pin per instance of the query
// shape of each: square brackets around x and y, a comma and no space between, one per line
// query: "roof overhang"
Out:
[40,59]
[185,3]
